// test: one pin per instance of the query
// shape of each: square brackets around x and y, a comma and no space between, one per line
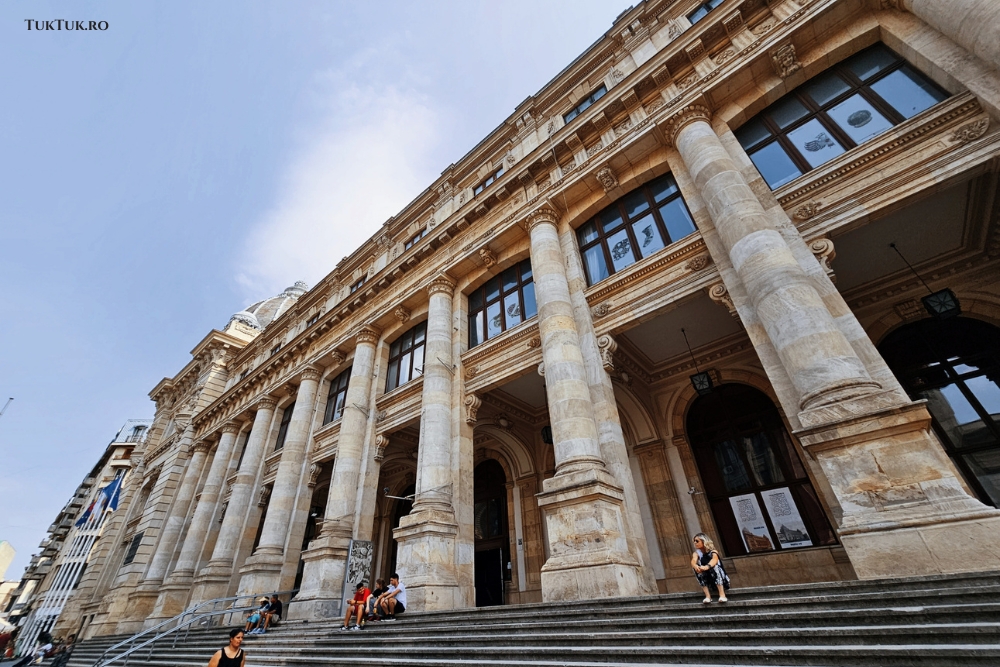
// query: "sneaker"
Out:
[707,601]
[343,627]
[356,627]
[723,599]
[391,617]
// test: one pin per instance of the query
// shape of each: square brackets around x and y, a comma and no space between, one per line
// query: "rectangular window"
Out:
[245,373]
[406,357]
[312,320]
[636,226]
[274,350]
[243,448]
[286,418]
[133,548]
[585,104]
[356,286]
[847,105]
[412,242]
[502,303]
[703,10]
[488,181]
[336,398]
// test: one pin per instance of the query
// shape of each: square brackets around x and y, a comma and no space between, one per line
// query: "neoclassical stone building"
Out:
[659,299]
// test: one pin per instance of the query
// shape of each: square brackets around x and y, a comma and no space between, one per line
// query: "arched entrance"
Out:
[755,483]
[492,541]
[403,507]
[955,366]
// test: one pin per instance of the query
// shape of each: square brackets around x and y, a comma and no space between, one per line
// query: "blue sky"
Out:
[195,157]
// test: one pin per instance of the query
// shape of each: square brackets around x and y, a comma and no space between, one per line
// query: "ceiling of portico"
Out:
[704,321]
[529,389]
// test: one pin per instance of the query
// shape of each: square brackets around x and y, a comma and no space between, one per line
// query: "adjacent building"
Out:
[734,270]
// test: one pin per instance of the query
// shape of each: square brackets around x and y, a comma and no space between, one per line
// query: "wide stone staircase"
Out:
[939,621]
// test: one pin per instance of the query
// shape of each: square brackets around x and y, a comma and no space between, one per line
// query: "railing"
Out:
[184,621]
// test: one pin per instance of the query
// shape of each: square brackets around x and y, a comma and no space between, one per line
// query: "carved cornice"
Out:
[441,285]
[656,264]
[539,216]
[683,118]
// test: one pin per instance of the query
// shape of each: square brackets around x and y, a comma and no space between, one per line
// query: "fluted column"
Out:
[972,24]
[326,558]
[177,588]
[262,571]
[213,581]
[583,504]
[427,537]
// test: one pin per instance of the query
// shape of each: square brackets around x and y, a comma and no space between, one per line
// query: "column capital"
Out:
[231,427]
[267,403]
[441,284]
[311,373]
[544,214]
[202,446]
[368,334]
[673,125]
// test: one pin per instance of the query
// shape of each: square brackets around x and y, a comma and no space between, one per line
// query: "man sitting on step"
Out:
[394,602]
[272,616]
[356,607]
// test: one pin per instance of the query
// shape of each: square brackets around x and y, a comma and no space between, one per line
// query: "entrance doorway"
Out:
[403,507]
[492,540]
[955,366]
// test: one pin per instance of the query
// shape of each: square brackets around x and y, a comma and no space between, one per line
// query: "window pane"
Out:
[526,269]
[906,92]
[476,329]
[986,467]
[404,369]
[338,410]
[475,300]
[418,361]
[394,349]
[407,342]
[419,332]
[393,380]
[731,469]
[774,165]
[752,133]
[530,309]
[763,462]
[510,279]
[787,111]
[662,188]
[635,204]
[597,268]
[621,250]
[697,15]
[986,392]
[955,415]
[610,219]
[870,62]
[493,289]
[859,119]
[588,233]
[825,87]
[677,219]
[815,143]
[512,308]
[494,324]
[647,235]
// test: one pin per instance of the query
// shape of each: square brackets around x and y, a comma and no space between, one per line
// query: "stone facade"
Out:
[258,475]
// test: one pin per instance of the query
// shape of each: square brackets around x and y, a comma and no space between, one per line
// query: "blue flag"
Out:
[107,499]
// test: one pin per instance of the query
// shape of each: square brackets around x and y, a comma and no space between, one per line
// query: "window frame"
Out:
[338,386]
[286,419]
[358,284]
[416,237]
[275,349]
[627,222]
[519,285]
[312,320]
[488,181]
[395,359]
[584,104]
[708,6]
[133,548]
[820,112]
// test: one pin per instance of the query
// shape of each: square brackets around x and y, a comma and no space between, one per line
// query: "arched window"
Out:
[955,366]
[755,483]
[841,108]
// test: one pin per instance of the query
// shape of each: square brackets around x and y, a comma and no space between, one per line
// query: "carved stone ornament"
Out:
[231,427]
[402,314]
[265,496]
[673,30]
[472,404]
[314,471]
[311,373]
[488,256]
[504,422]
[606,177]
[807,210]
[600,310]
[971,131]
[541,369]
[510,159]
[202,446]
[825,253]
[540,216]
[441,285]
[698,263]
[471,372]
[381,442]
[785,61]
[337,358]
[685,117]
[725,55]
[367,334]
[222,512]
[910,309]
[764,26]
[534,342]
[267,403]
[616,75]
[719,294]
[380,415]
[607,345]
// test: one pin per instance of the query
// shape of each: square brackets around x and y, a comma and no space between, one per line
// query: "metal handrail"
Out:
[181,623]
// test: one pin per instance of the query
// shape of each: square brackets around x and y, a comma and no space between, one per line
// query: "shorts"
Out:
[253,618]
[399,609]
[275,618]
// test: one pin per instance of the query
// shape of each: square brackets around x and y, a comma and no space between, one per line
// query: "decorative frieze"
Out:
[971,131]
[600,310]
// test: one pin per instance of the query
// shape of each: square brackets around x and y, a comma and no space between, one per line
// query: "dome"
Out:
[262,313]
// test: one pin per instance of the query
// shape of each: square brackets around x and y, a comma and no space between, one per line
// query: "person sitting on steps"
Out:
[394,602]
[255,617]
[372,603]
[356,607]
[273,614]
[708,569]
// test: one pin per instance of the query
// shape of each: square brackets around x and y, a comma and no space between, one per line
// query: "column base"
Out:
[212,582]
[900,494]
[261,574]
[173,598]
[140,605]
[589,557]
[325,562]
[426,560]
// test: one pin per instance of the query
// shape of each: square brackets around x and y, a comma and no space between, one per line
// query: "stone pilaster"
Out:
[262,571]
[427,537]
[176,589]
[898,491]
[972,24]
[583,505]
[326,558]
[213,581]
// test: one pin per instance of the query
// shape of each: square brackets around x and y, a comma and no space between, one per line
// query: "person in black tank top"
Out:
[230,655]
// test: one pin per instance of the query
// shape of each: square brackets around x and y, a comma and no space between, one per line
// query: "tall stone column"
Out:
[898,490]
[326,558]
[427,537]
[262,570]
[583,505]
[213,581]
[176,589]
[972,24]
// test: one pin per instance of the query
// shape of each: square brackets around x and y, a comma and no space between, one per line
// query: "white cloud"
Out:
[363,163]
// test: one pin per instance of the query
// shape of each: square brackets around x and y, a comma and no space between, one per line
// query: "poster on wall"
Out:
[785,518]
[754,531]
